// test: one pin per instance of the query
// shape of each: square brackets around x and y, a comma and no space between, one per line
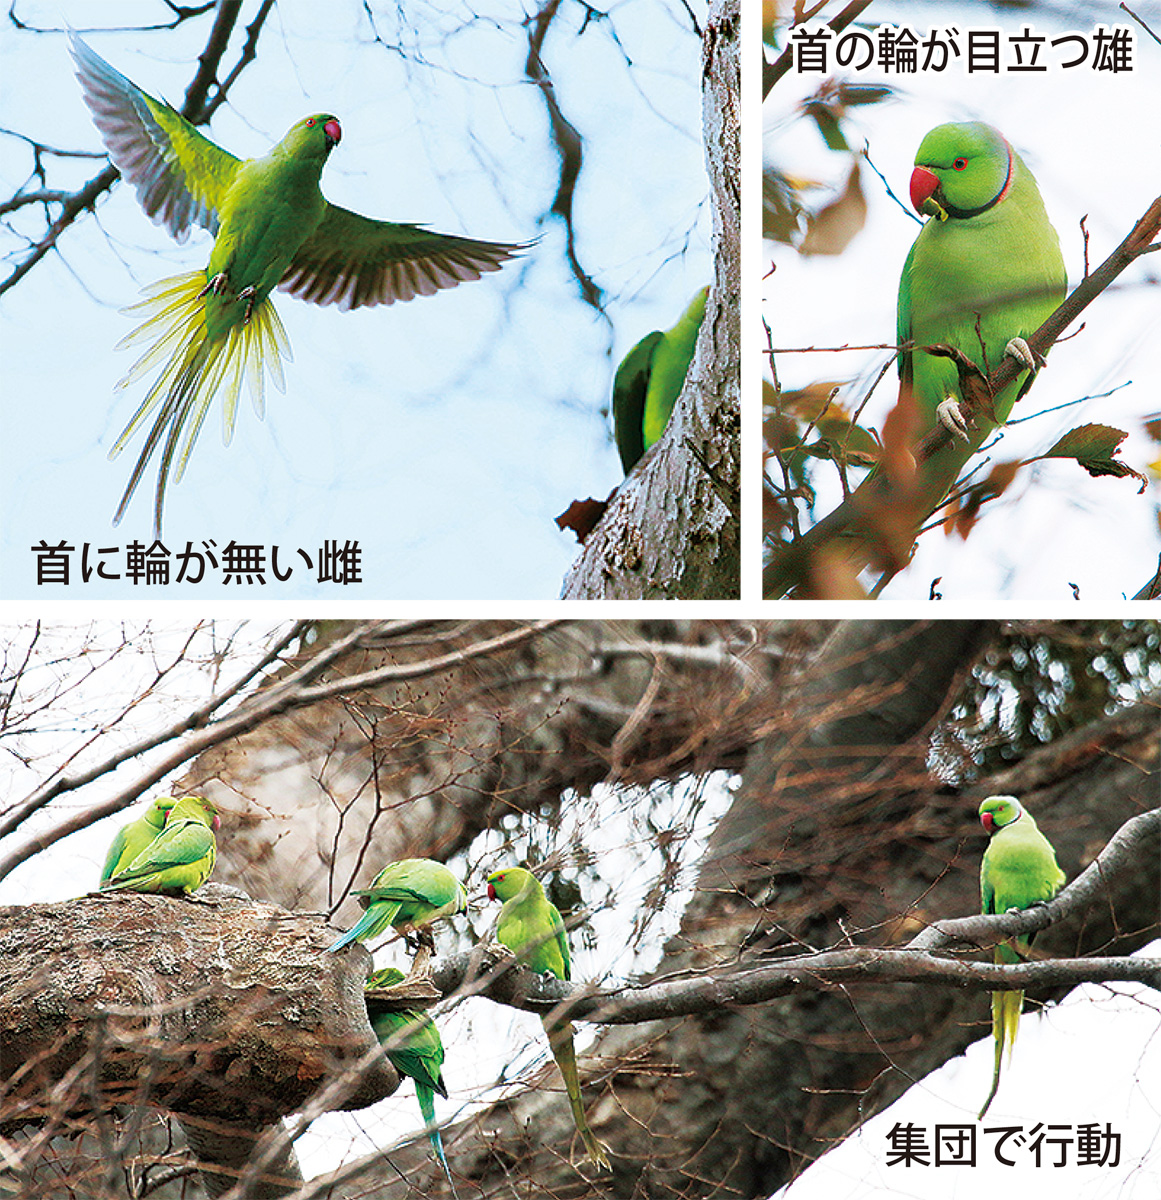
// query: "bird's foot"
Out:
[247,294]
[949,414]
[216,286]
[1019,349]
[500,951]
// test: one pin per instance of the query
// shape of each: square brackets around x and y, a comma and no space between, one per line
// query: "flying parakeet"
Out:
[131,839]
[407,895]
[650,379]
[413,1045]
[272,228]
[180,859]
[531,927]
[986,267]
[1018,870]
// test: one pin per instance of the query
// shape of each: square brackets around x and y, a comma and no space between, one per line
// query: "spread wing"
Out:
[181,177]
[354,261]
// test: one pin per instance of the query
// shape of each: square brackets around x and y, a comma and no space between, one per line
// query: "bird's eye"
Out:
[309,121]
[960,164]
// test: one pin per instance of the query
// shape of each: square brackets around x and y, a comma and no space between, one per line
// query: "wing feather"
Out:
[354,261]
[180,176]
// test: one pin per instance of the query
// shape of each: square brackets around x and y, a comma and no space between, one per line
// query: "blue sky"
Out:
[444,434]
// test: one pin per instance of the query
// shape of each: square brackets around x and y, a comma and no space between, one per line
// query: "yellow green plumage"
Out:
[272,228]
[531,926]
[180,858]
[1018,870]
[985,269]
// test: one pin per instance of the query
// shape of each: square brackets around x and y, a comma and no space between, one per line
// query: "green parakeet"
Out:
[649,380]
[272,228]
[180,858]
[531,927]
[986,268]
[413,1045]
[131,839]
[406,895]
[1018,870]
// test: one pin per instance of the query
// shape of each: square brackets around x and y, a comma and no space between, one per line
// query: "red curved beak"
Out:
[491,892]
[987,821]
[333,132]
[923,185]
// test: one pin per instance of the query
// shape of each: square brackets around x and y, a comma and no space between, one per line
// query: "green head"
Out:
[961,170]
[195,808]
[158,812]
[312,137]
[998,811]
[509,882]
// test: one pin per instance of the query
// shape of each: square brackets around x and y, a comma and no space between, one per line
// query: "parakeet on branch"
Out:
[984,273]
[413,1045]
[1018,870]
[272,228]
[407,895]
[131,839]
[650,379]
[531,927]
[180,859]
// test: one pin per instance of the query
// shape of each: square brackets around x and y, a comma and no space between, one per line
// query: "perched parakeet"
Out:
[180,858]
[272,228]
[650,379]
[413,1045]
[131,839]
[1018,870]
[407,895]
[531,927]
[986,267]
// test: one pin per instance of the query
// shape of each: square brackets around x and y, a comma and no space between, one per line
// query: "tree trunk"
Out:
[226,1013]
[672,531]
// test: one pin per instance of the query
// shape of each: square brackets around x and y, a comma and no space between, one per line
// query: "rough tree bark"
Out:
[837,836]
[671,530]
[226,1013]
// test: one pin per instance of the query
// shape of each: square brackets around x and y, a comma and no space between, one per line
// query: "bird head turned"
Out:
[313,136]
[508,882]
[998,811]
[961,170]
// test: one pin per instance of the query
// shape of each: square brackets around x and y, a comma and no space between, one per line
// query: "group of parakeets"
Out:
[411,894]
[170,849]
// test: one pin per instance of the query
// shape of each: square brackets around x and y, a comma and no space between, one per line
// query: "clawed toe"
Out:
[950,416]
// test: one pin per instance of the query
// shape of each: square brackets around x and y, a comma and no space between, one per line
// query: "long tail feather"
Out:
[1006,1009]
[560,1041]
[194,369]
[426,1098]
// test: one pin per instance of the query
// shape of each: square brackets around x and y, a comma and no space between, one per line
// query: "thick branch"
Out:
[485,972]
[1135,842]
